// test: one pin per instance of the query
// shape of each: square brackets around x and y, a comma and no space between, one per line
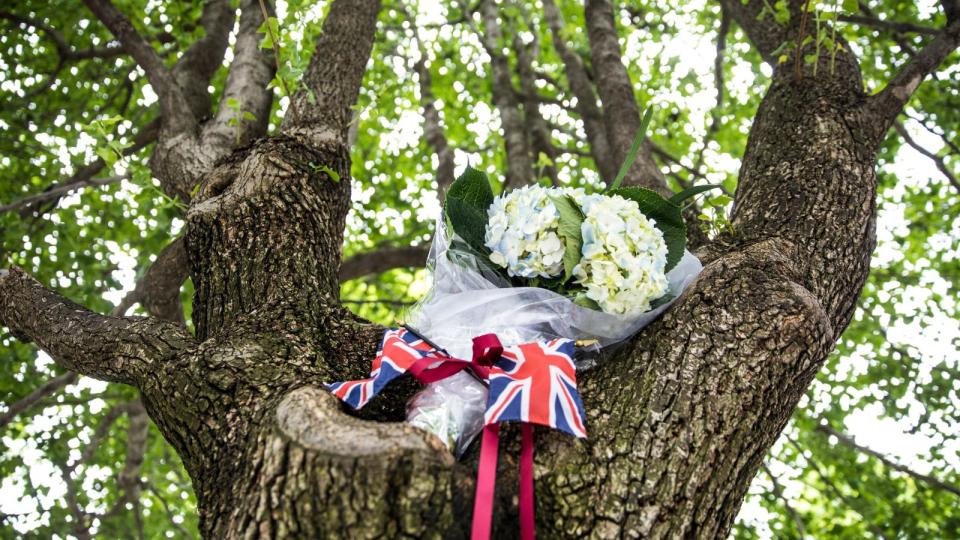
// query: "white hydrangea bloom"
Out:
[522,232]
[624,259]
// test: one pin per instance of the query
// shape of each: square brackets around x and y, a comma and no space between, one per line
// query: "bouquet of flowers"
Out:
[540,263]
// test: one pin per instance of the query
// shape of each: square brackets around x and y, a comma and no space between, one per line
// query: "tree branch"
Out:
[129,477]
[951,8]
[725,21]
[173,105]
[81,528]
[519,165]
[899,39]
[41,392]
[204,57]
[158,291]
[169,511]
[180,159]
[193,71]
[432,127]
[778,491]
[99,434]
[82,177]
[55,192]
[764,32]
[395,303]
[250,73]
[538,131]
[891,26]
[67,469]
[620,113]
[381,260]
[66,51]
[582,88]
[116,349]
[836,491]
[433,131]
[937,160]
[889,102]
[925,123]
[849,441]
[320,111]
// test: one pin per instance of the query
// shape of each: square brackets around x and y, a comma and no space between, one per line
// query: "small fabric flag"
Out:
[398,351]
[537,383]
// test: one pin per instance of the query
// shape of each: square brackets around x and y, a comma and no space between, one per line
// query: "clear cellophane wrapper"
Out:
[468,299]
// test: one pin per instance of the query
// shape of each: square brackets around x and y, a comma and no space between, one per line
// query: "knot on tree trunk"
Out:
[263,227]
[317,473]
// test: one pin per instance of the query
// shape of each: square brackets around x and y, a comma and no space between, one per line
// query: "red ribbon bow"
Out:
[486,351]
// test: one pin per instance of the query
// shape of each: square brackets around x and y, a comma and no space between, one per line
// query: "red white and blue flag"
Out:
[537,383]
[533,383]
[399,350]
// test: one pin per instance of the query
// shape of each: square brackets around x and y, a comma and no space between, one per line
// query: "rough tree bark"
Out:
[679,420]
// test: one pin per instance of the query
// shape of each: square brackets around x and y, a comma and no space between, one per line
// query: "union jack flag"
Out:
[398,351]
[537,383]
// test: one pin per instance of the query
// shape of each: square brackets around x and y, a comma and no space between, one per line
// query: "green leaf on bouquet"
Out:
[582,301]
[466,207]
[466,255]
[571,217]
[667,297]
[692,191]
[637,141]
[473,188]
[665,214]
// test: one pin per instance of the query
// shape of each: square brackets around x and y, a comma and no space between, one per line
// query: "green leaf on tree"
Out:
[321,168]
[269,34]
[107,155]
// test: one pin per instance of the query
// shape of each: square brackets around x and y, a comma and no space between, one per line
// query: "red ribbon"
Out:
[486,351]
